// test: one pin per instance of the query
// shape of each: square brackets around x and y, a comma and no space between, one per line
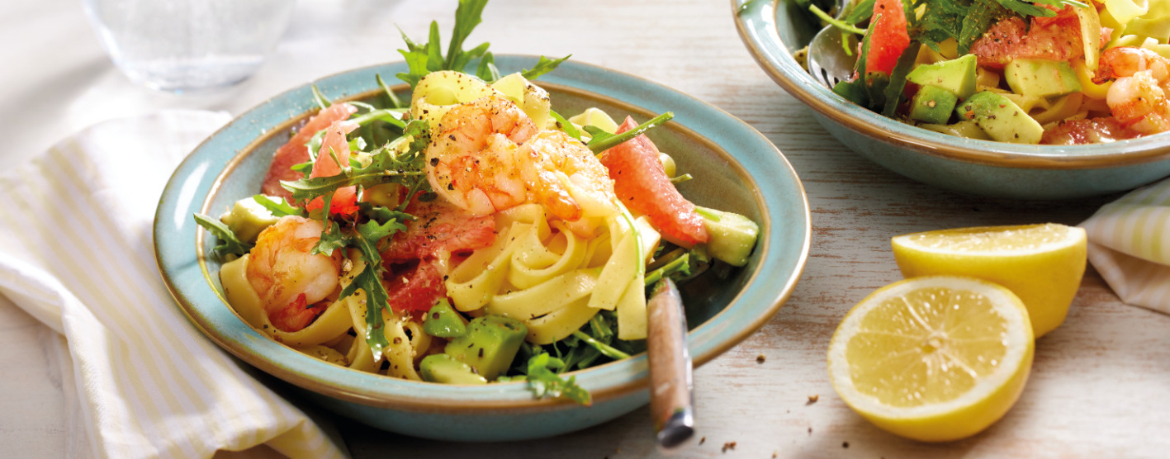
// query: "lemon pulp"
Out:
[933,358]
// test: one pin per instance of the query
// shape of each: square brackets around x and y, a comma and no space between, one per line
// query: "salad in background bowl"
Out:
[960,153]
[1055,72]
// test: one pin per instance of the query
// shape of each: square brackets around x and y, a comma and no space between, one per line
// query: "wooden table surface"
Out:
[1100,384]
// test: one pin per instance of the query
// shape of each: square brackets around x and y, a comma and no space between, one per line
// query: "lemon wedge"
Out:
[1042,264]
[933,358]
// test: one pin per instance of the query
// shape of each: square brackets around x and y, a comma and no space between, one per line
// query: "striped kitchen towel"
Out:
[1129,244]
[76,252]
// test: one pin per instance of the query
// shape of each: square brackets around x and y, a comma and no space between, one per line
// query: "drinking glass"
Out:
[181,45]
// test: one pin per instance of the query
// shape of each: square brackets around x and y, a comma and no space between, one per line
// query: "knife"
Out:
[670,367]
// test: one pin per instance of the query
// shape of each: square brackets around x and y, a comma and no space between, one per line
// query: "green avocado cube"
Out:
[442,368]
[933,104]
[1041,78]
[731,236]
[1000,118]
[489,346]
[248,218]
[956,75]
[444,322]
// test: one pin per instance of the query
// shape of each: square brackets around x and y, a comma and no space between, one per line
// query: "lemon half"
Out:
[1042,264]
[933,358]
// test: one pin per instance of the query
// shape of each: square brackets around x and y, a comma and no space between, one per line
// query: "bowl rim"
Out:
[186,302]
[755,20]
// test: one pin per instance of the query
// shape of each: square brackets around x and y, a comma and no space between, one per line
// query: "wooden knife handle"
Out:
[670,366]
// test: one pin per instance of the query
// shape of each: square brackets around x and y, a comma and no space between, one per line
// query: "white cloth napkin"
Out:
[1129,244]
[76,252]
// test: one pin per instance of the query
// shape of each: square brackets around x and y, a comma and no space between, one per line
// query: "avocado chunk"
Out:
[442,321]
[489,346]
[731,236]
[957,75]
[1041,78]
[442,368]
[933,104]
[1000,118]
[248,218]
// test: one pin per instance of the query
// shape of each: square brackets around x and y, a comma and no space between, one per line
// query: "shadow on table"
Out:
[627,436]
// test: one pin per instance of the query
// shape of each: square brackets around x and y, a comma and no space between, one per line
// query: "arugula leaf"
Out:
[604,348]
[314,146]
[544,382]
[487,70]
[977,20]
[468,56]
[543,66]
[834,22]
[467,16]
[416,61]
[331,239]
[365,239]
[963,21]
[382,214]
[385,167]
[420,130]
[304,168]
[377,300]
[392,116]
[678,266]
[565,125]
[601,328]
[595,133]
[424,59]
[600,143]
[858,12]
[278,207]
[434,48]
[394,102]
[310,188]
[362,105]
[228,244]
[319,98]
[1029,9]
[357,144]
[894,90]
[853,91]
[375,231]
[967,20]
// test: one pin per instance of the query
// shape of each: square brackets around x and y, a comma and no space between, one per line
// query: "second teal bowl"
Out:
[773,30]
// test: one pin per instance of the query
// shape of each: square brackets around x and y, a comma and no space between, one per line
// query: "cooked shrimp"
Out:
[488,156]
[471,161]
[1137,97]
[566,177]
[288,279]
[1127,60]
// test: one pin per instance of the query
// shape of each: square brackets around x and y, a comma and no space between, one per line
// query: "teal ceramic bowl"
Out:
[773,29]
[735,168]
